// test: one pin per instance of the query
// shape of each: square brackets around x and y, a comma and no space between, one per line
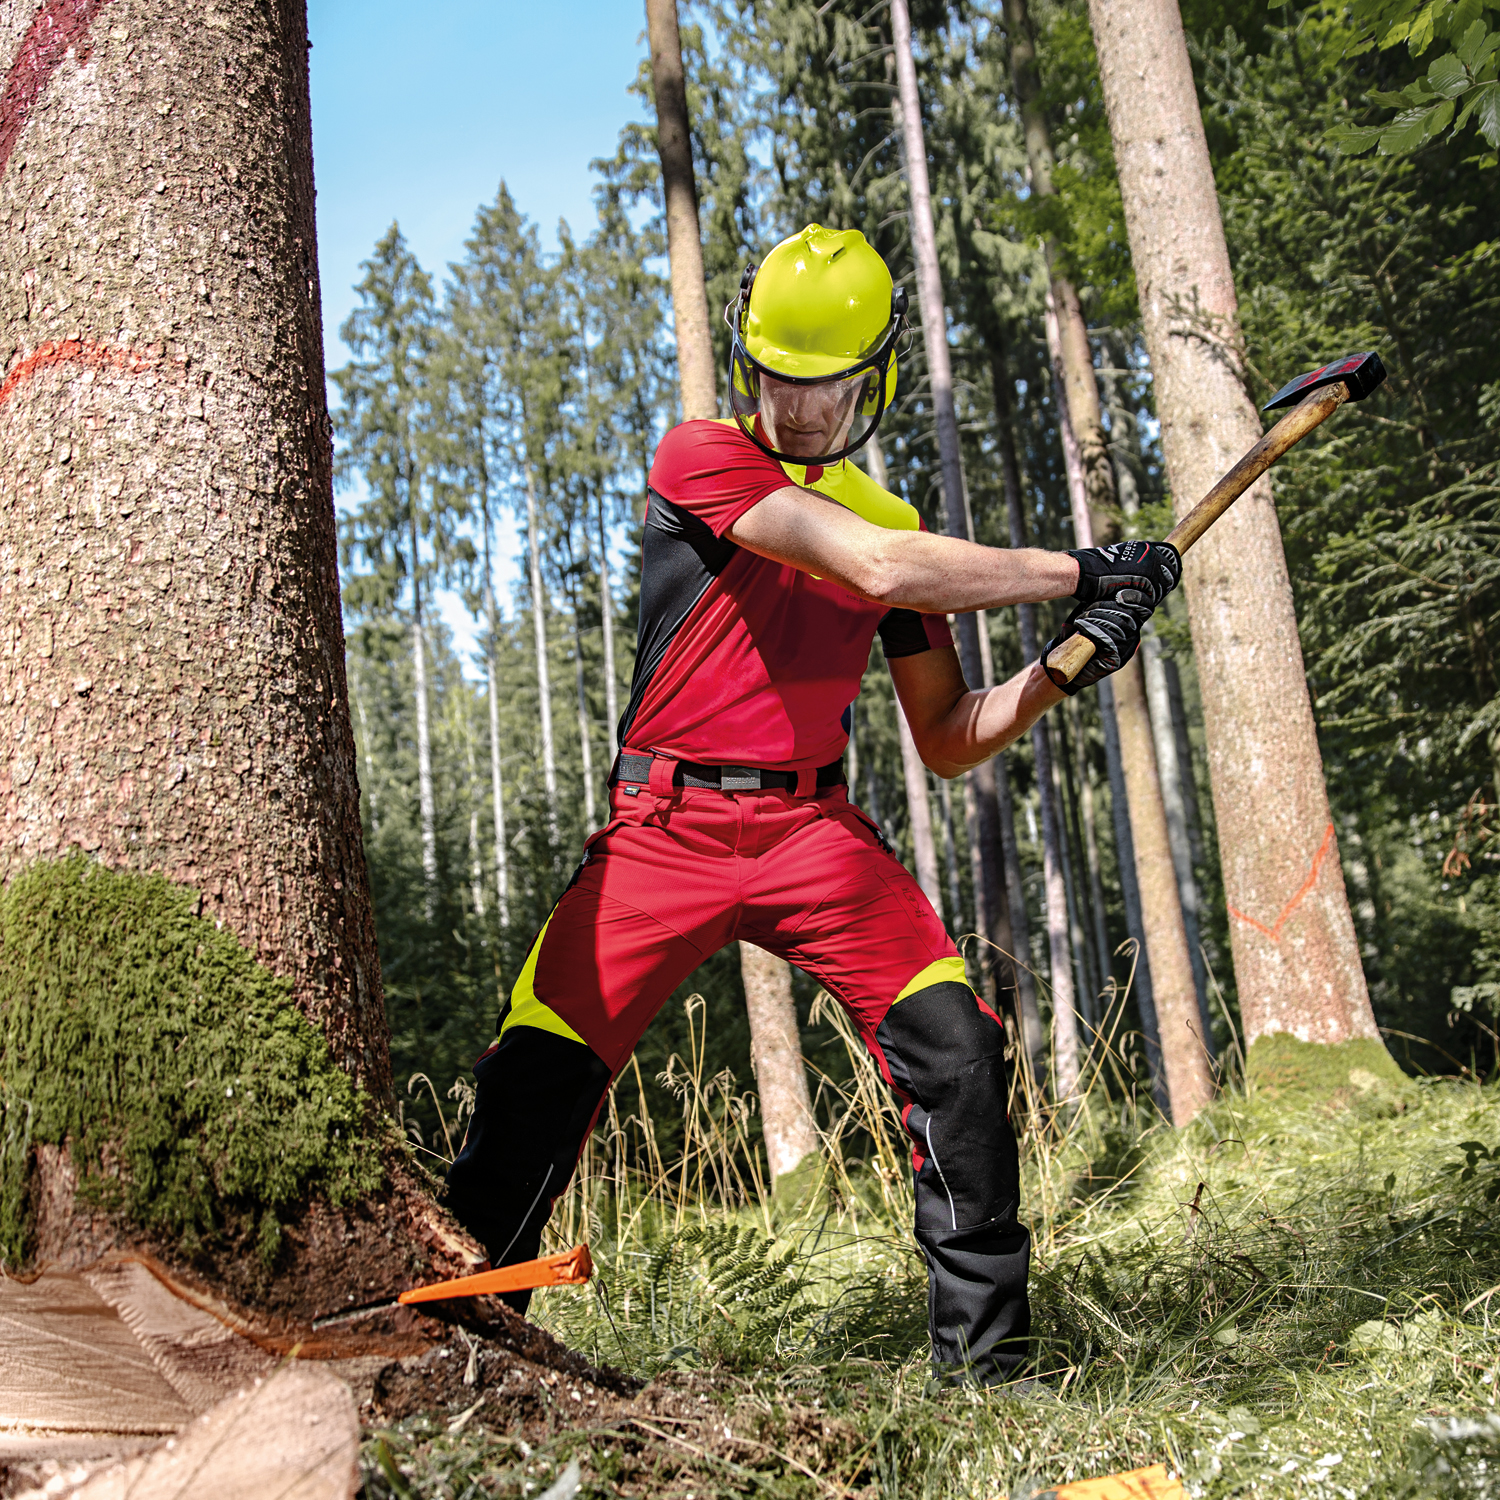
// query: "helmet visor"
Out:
[814,420]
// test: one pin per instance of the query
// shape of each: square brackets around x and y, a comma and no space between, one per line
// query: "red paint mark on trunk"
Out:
[55,28]
[84,352]
[1274,933]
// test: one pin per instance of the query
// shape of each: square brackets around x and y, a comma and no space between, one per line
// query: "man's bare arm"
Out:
[954,728]
[906,569]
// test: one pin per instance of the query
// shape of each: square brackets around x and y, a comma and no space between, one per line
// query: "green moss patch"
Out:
[197,1101]
[1279,1064]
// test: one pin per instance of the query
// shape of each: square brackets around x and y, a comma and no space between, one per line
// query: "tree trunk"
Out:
[543,674]
[1296,955]
[1097,929]
[919,810]
[607,624]
[476,865]
[585,748]
[695,355]
[776,1052]
[950,852]
[779,1066]
[174,692]
[497,784]
[1069,848]
[1173,774]
[425,804]
[906,110]
[1173,991]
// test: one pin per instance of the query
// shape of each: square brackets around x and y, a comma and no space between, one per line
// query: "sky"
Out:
[420,110]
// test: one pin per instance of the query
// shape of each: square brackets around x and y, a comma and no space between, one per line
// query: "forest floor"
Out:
[1291,1297]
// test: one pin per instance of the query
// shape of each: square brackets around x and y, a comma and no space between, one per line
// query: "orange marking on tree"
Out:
[1274,933]
[85,352]
[58,28]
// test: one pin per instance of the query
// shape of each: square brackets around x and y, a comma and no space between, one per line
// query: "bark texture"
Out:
[1296,956]
[776,1052]
[174,694]
[695,355]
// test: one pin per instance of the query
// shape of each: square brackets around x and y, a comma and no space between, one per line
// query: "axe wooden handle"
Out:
[1070,658]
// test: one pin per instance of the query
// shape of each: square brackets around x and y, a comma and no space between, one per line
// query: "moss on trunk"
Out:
[1279,1064]
[197,1101]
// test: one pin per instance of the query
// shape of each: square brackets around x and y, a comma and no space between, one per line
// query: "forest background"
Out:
[515,398]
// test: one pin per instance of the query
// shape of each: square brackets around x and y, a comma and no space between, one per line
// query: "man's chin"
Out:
[802,445]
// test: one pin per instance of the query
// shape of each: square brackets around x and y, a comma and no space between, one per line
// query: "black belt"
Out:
[636,769]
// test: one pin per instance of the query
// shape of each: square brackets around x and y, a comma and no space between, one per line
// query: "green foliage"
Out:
[197,1102]
[1462,79]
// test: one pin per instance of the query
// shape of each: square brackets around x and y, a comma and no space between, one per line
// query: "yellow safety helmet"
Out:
[821,307]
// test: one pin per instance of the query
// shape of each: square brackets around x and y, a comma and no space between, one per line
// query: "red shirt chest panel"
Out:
[760,670]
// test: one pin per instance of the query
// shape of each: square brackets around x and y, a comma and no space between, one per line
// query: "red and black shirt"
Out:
[741,660]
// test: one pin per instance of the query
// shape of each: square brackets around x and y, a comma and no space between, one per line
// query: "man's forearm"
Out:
[903,569]
[954,729]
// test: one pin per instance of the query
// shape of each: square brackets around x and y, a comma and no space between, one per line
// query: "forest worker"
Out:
[769,563]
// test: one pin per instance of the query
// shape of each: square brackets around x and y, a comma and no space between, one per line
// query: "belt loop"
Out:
[807,783]
[663,769]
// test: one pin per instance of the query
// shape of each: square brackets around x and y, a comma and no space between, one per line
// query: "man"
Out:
[769,562]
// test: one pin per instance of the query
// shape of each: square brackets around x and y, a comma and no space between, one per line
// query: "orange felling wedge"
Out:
[570,1268]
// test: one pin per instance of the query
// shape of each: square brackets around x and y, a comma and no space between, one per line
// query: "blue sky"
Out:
[420,110]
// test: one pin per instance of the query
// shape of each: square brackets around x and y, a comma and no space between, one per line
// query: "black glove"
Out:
[1115,629]
[1135,572]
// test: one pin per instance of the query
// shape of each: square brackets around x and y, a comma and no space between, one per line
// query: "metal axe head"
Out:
[1360,372]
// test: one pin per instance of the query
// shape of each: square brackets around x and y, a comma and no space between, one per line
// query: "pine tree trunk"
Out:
[585,748]
[1165,935]
[497,784]
[1097,929]
[607,625]
[543,674]
[1296,955]
[174,693]
[476,865]
[1173,774]
[695,355]
[497,781]
[950,854]
[776,1052]
[782,1079]
[906,112]
[919,814]
[425,803]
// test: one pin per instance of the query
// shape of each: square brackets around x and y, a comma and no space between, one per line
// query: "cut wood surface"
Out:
[293,1435]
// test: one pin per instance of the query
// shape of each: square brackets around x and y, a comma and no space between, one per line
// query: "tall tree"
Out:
[385,393]
[906,110]
[1184,1042]
[784,1081]
[175,599]
[1096,519]
[1296,955]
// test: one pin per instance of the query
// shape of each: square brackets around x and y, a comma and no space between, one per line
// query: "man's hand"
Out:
[1130,572]
[1114,627]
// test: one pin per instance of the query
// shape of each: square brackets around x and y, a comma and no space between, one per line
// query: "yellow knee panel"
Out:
[526,1009]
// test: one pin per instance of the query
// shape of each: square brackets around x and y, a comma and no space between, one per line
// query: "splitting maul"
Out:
[1314,398]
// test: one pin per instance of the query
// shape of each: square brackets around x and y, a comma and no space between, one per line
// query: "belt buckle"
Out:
[739,779]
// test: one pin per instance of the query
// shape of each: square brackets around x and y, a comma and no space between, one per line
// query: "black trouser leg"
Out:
[946,1055]
[536,1095]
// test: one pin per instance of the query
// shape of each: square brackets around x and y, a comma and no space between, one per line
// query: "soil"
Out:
[680,1433]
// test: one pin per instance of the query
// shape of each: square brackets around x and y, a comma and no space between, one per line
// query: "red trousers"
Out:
[676,875]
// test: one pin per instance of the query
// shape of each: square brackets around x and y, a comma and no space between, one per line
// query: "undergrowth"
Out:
[1295,1296]
[193,1095]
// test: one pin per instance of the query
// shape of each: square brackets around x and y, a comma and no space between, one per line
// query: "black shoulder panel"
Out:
[680,557]
[902,634]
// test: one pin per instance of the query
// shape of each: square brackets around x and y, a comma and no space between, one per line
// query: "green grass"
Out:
[1296,1296]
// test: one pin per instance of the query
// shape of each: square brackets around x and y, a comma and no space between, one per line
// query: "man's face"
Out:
[808,420]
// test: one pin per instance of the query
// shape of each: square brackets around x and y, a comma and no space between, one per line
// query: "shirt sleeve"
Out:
[904,632]
[713,471]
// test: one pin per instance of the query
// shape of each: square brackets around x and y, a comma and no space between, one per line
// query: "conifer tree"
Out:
[385,423]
